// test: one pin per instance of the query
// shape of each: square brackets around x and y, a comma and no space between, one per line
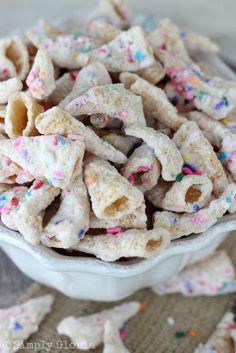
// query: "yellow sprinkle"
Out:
[185,156]
[224,121]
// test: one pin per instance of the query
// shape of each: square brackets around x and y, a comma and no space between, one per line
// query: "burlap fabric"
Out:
[148,332]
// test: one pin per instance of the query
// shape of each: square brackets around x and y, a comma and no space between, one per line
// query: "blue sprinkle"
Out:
[81,233]
[138,56]
[61,141]
[173,220]
[183,34]
[16,326]
[29,193]
[195,207]
[174,100]
[58,222]
[222,156]
[2,201]
[228,199]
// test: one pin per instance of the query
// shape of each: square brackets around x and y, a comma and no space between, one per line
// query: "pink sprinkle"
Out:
[189,95]
[18,142]
[142,168]
[114,230]
[102,51]
[198,172]
[131,179]
[122,334]
[58,174]
[199,219]
[187,171]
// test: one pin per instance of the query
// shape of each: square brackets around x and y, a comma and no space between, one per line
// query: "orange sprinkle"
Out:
[91,180]
[193,80]
[142,308]
[193,333]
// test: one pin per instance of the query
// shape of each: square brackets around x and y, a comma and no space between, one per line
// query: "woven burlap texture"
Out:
[148,332]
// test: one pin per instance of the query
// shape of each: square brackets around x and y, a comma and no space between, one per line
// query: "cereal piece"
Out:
[21,113]
[112,196]
[136,220]
[101,121]
[64,86]
[114,12]
[223,339]
[49,29]
[56,120]
[131,243]
[221,137]
[189,195]
[101,30]
[41,80]
[196,43]
[112,341]
[53,157]
[22,208]
[71,221]
[142,168]
[90,328]
[212,95]
[212,276]
[153,74]
[11,173]
[14,58]
[127,52]
[19,322]
[155,101]
[64,50]
[8,87]
[112,100]
[184,224]
[164,149]
[197,151]
[90,76]
[122,143]
[167,36]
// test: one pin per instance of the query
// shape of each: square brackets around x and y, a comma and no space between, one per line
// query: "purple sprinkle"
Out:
[173,220]
[16,326]
[189,166]
[81,233]
[220,104]
[183,34]
[195,207]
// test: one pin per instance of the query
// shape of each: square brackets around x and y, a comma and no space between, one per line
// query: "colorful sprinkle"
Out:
[142,308]
[180,176]
[224,121]
[38,184]
[138,56]
[192,333]
[131,179]
[14,201]
[16,326]
[187,171]
[222,156]
[81,233]
[113,230]
[180,334]
[143,169]
[195,207]
[173,220]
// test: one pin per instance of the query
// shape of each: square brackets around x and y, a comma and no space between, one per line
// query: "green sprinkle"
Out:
[226,101]
[180,176]
[180,334]
[200,95]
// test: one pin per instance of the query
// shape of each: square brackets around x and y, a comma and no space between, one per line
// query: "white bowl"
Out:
[90,278]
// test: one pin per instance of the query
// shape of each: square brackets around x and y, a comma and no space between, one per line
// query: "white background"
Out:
[214,17]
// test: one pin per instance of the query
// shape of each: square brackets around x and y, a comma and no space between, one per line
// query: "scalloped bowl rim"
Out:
[62,263]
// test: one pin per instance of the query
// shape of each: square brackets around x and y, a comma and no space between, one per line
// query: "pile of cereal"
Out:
[114,142]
